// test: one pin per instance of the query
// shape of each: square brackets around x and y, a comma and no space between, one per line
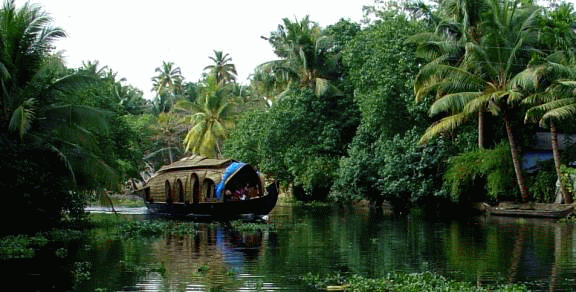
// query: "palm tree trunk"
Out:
[557,163]
[218,150]
[515,159]
[480,129]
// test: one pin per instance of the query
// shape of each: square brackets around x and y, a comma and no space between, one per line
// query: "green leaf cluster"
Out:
[299,140]
[481,172]
[383,160]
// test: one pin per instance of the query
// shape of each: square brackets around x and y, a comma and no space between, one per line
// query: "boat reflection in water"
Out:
[219,258]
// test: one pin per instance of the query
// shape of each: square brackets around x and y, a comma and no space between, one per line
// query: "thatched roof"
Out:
[196,161]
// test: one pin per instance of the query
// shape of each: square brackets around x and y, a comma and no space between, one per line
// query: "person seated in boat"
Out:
[241,193]
[228,195]
[237,195]
[251,192]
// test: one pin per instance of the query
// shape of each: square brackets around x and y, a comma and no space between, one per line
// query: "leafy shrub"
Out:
[474,174]
[397,170]
[569,178]
[24,246]
[412,174]
[542,187]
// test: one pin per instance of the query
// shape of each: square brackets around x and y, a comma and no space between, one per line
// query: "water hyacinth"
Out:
[156,229]
[397,281]
[242,226]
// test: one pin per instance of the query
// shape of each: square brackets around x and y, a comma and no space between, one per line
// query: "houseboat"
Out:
[198,185]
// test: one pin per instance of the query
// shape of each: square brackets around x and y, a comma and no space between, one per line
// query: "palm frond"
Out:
[559,113]
[22,117]
[478,104]
[452,103]
[537,99]
[446,124]
[83,116]
[514,97]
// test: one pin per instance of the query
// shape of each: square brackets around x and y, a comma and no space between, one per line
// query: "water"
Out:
[323,240]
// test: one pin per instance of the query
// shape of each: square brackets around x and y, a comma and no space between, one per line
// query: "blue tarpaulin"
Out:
[232,168]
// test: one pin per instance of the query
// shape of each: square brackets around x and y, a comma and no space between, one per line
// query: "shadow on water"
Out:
[318,240]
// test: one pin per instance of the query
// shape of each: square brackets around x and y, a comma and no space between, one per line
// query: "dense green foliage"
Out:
[378,67]
[335,114]
[383,160]
[62,131]
[299,140]
[381,66]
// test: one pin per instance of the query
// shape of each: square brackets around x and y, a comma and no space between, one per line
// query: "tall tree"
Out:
[552,85]
[481,80]
[167,83]
[167,132]
[44,123]
[306,55]
[222,69]
[26,39]
[549,108]
[209,119]
[457,22]
[37,96]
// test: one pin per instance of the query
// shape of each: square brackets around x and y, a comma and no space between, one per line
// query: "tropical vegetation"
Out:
[413,106]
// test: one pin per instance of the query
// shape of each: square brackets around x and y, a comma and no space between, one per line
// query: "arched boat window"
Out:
[168,192]
[179,191]
[195,188]
[208,187]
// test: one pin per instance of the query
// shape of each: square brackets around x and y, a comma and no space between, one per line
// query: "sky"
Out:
[133,37]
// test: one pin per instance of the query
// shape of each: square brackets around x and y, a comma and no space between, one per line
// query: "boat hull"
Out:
[230,209]
[537,210]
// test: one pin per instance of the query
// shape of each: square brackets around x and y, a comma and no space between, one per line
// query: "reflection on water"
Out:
[326,239]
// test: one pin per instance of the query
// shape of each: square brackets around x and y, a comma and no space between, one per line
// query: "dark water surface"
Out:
[323,240]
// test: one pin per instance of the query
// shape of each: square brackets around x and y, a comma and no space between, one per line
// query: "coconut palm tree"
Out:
[481,80]
[223,70]
[553,100]
[306,55]
[552,81]
[457,23]
[37,97]
[168,133]
[26,39]
[168,82]
[549,109]
[209,119]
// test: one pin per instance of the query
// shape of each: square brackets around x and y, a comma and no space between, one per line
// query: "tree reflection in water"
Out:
[323,240]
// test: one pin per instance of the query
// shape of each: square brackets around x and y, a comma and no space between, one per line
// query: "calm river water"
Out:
[322,240]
